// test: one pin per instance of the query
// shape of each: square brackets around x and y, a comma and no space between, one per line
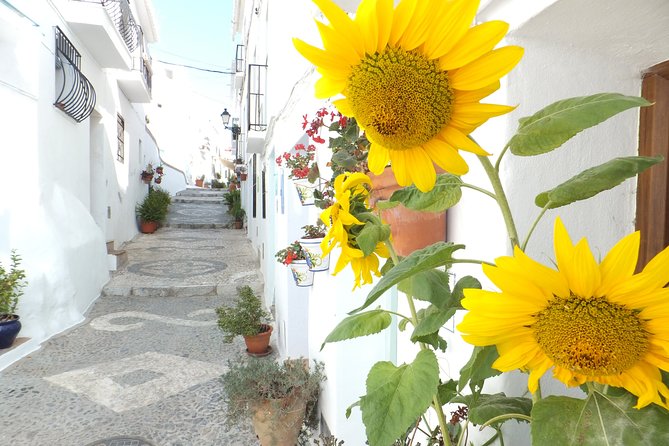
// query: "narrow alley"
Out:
[144,367]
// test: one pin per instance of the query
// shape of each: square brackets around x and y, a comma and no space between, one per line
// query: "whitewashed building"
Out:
[74,78]
[572,48]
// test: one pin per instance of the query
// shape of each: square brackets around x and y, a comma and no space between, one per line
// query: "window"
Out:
[120,137]
[255,184]
[653,191]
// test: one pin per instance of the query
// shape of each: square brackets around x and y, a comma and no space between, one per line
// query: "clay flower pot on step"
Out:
[411,230]
[278,422]
[9,329]
[259,344]
[148,227]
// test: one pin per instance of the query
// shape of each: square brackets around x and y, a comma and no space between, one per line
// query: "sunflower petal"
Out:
[455,22]
[401,19]
[422,170]
[457,139]
[446,157]
[463,97]
[620,263]
[384,11]
[486,69]
[340,21]
[377,158]
[366,18]
[343,106]
[316,56]
[476,42]
[326,87]
[399,166]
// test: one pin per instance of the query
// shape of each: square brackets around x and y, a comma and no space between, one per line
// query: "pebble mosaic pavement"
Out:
[141,370]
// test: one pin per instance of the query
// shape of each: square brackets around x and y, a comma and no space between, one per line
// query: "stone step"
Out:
[201,193]
[197,199]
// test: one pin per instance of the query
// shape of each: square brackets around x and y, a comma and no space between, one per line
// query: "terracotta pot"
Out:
[148,227]
[243,176]
[259,343]
[411,230]
[278,422]
[158,180]
[238,224]
[159,170]
[199,182]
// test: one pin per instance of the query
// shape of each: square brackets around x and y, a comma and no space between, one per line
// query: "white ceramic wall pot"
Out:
[305,190]
[315,258]
[301,274]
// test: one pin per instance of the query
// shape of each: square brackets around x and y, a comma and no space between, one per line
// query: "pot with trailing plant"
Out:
[11,288]
[280,398]
[147,173]
[246,318]
[311,244]
[152,210]
[199,181]
[295,257]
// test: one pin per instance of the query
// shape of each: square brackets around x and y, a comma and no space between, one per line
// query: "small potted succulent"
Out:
[279,398]
[246,318]
[11,288]
[295,257]
[311,244]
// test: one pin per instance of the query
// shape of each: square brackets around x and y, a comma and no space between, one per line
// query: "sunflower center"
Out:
[593,337]
[400,97]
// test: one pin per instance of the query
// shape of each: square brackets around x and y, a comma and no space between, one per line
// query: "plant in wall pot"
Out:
[280,398]
[147,174]
[295,257]
[153,210]
[11,285]
[199,181]
[311,244]
[246,318]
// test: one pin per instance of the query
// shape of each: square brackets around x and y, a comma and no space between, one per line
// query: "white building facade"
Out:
[572,48]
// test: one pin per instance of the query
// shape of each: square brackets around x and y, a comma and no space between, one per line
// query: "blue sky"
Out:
[197,33]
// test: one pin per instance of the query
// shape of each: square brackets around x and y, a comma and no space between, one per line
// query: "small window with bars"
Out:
[120,138]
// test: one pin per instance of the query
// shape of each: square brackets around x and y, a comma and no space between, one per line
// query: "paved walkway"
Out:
[144,368]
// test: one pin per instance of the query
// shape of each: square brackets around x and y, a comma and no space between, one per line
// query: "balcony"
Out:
[106,27]
[136,83]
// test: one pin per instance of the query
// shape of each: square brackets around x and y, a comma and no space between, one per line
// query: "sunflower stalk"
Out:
[502,201]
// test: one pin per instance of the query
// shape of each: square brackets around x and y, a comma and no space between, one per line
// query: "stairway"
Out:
[197,208]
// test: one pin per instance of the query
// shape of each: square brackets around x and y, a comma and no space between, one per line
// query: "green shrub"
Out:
[245,318]
[11,285]
[154,206]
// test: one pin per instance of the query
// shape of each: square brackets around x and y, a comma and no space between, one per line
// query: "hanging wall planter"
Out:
[301,274]
[315,259]
[305,190]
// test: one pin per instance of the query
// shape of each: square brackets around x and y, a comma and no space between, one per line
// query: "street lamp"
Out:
[225,117]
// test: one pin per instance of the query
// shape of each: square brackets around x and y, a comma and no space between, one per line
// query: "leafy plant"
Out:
[246,318]
[292,252]
[154,207]
[300,163]
[314,231]
[249,382]
[11,287]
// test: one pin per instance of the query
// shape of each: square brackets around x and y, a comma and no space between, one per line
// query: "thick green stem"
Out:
[502,202]
[534,225]
[499,158]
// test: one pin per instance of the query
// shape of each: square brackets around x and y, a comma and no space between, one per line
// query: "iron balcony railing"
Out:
[257,83]
[75,95]
[121,15]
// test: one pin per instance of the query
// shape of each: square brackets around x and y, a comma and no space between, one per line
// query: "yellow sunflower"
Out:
[412,77]
[363,266]
[589,321]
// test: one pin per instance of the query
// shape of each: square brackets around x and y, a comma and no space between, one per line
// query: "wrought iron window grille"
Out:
[75,95]
[239,59]
[257,82]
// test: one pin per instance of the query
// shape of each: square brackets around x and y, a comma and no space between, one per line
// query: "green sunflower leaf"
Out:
[430,320]
[397,396]
[598,420]
[370,236]
[431,286]
[361,324]
[438,254]
[447,391]
[479,366]
[484,407]
[592,181]
[554,125]
[459,288]
[385,204]
[445,194]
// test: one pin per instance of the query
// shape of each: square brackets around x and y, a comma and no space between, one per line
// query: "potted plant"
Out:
[280,398]
[159,170]
[302,170]
[11,288]
[295,257]
[233,200]
[147,174]
[152,210]
[199,181]
[311,244]
[247,318]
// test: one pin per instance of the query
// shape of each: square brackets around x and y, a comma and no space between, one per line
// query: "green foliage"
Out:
[483,407]
[430,320]
[233,200]
[592,181]
[245,318]
[397,396]
[314,231]
[431,286]
[294,251]
[479,367]
[554,125]
[439,254]
[446,194]
[11,286]
[371,235]
[252,380]
[361,324]
[154,207]
[598,420]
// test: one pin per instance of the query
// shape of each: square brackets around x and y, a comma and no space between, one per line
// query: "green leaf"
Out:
[458,290]
[484,407]
[598,420]
[479,366]
[430,320]
[397,396]
[385,204]
[431,286]
[370,236]
[343,159]
[554,125]
[361,324]
[595,180]
[447,391]
[445,194]
[349,409]
[434,340]
[438,254]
